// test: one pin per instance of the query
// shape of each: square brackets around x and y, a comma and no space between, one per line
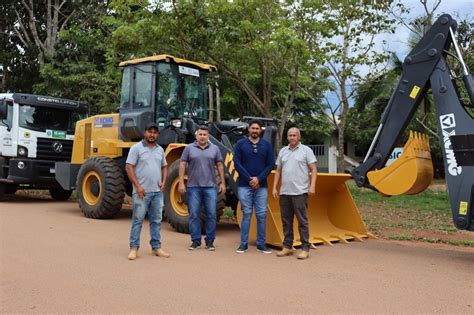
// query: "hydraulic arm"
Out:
[426,67]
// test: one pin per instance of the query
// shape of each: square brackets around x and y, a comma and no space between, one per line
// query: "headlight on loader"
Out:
[177,123]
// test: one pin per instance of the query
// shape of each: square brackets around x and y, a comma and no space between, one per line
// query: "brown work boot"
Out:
[285,252]
[133,253]
[303,255]
[161,253]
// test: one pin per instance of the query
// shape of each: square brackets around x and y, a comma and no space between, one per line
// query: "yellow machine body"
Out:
[410,174]
[332,214]
[98,136]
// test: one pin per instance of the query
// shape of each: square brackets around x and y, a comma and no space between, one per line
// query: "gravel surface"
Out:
[54,260]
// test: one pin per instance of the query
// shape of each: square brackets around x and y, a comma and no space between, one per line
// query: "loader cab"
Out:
[161,89]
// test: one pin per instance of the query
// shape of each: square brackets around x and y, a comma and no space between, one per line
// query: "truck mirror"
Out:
[3,109]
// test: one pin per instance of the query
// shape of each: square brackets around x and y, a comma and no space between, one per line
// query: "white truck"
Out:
[36,132]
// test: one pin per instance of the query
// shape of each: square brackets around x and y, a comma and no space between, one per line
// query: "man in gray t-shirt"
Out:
[147,170]
[201,159]
[294,164]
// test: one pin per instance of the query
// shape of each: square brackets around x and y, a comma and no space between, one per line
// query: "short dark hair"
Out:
[203,128]
[256,121]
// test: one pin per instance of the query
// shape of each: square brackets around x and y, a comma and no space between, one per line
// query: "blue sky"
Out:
[458,9]
[398,42]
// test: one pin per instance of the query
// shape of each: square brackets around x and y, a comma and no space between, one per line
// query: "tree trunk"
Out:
[266,89]
[290,96]
[32,33]
[342,126]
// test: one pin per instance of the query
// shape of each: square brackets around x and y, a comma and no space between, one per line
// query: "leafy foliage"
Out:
[275,58]
[79,69]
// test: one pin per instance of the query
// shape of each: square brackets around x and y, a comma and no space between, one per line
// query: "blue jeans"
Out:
[152,203]
[249,199]
[202,197]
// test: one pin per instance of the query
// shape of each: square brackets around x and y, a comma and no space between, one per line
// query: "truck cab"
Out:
[35,132]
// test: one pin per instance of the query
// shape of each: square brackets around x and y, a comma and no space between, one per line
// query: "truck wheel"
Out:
[3,186]
[100,188]
[60,194]
[175,207]
[2,191]
[11,189]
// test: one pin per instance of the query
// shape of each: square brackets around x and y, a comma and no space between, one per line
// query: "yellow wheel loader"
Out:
[173,93]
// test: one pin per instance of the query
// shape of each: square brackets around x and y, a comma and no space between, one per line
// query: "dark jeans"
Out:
[250,199]
[289,207]
[202,197]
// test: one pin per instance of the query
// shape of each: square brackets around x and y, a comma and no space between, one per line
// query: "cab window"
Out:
[143,85]
[125,88]
[9,120]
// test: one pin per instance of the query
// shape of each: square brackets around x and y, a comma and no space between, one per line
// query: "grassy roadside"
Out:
[423,217]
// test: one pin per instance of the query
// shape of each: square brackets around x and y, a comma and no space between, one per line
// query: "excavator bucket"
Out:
[332,214]
[410,174]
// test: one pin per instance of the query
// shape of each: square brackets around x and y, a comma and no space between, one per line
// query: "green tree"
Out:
[20,66]
[259,47]
[357,24]
[79,69]
[38,24]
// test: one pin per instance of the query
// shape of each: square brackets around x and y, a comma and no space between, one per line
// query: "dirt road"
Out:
[55,260]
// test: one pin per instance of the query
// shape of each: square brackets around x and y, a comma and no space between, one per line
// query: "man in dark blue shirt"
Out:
[254,160]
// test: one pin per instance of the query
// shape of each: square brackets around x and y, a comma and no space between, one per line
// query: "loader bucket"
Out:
[410,174]
[332,214]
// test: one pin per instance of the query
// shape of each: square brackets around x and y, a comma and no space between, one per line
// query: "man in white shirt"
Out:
[294,164]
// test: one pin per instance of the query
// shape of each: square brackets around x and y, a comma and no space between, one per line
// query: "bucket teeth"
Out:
[410,174]
[418,143]
[356,237]
[340,238]
[333,216]
[372,236]
[325,241]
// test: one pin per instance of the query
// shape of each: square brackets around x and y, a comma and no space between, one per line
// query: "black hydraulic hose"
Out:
[469,83]
[229,131]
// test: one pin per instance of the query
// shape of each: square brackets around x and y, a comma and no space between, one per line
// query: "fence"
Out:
[321,153]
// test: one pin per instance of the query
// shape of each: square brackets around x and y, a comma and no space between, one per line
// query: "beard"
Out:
[254,135]
[151,140]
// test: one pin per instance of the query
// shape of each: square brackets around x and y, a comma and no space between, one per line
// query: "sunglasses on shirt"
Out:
[255,148]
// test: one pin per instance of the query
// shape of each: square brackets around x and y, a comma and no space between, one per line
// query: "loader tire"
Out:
[100,188]
[60,194]
[175,208]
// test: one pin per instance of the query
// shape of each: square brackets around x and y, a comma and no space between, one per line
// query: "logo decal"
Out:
[104,122]
[57,147]
[448,122]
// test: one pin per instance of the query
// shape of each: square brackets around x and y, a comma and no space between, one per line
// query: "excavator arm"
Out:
[425,67]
